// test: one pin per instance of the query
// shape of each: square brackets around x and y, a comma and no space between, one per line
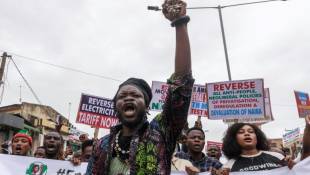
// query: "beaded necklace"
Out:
[120,153]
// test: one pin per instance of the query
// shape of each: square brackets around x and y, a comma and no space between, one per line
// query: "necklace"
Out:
[119,151]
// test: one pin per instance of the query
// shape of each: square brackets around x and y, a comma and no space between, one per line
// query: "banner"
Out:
[96,111]
[301,168]
[303,103]
[264,119]
[236,99]
[22,165]
[291,137]
[199,104]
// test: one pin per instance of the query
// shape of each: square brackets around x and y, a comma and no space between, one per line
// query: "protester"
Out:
[195,145]
[5,147]
[246,147]
[53,144]
[136,146]
[21,144]
[83,137]
[183,143]
[76,158]
[40,152]
[87,150]
[68,152]
[214,151]
[306,139]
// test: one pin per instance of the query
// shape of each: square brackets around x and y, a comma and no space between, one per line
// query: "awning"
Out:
[11,121]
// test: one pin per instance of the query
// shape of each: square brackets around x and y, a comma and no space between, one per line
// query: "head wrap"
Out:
[28,137]
[141,85]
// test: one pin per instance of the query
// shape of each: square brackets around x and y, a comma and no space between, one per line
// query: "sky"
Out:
[122,39]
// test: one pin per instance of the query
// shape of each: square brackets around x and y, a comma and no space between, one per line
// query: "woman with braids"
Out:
[246,147]
[135,146]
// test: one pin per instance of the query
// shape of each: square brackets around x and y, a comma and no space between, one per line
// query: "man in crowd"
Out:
[21,144]
[40,152]
[136,146]
[5,147]
[87,150]
[53,144]
[195,145]
[214,151]
[83,137]
[68,152]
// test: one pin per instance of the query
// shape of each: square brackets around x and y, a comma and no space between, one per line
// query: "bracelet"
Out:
[179,21]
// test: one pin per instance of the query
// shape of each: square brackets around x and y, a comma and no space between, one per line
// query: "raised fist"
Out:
[174,9]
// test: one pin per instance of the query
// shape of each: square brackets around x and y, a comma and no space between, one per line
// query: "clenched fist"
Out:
[174,9]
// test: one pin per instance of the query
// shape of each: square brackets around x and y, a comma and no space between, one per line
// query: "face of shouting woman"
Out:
[246,138]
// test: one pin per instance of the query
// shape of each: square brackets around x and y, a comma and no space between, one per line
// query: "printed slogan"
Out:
[236,99]
[96,111]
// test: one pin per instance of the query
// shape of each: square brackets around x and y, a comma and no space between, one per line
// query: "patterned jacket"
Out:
[153,143]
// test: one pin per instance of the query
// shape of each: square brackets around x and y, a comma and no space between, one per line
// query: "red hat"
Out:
[28,137]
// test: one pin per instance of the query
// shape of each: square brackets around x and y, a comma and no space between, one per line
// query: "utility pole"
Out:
[3,61]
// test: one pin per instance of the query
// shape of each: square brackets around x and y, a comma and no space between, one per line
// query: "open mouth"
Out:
[197,146]
[129,109]
[18,150]
[248,140]
[50,147]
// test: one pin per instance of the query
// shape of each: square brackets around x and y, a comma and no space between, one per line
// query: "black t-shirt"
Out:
[264,160]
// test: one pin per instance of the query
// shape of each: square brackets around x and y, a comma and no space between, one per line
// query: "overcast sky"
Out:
[121,39]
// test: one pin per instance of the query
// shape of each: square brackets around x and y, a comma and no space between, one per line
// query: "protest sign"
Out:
[264,119]
[199,104]
[236,99]
[212,143]
[159,91]
[301,168]
[291,137]
[22,165]
[96,111]
[303,103]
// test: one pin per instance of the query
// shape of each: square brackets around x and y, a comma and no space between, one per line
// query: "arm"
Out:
[173,10]
[174,116]
[306,140]
[182,52]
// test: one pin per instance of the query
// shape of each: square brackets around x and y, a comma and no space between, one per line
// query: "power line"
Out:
[25,80]
[64,67]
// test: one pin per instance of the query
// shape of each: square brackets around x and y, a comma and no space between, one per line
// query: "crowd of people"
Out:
[137,146]
[245,147]
[21,145]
